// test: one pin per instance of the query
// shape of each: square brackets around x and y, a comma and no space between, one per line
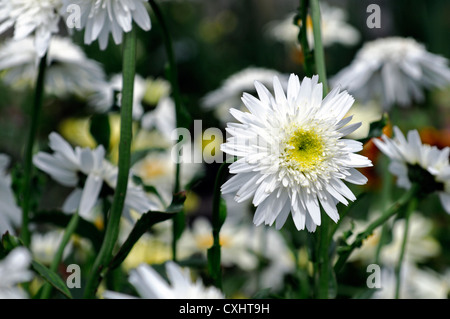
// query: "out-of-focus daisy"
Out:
[150,285]
[68,167]
[416,283]
[334,28]
[161,118]
[292,157]
[236,246]
[68,72]
[14,269]
[10,213]
[421,245]
[393,70]
[158,169]
[100,18]
[414,162]
[40,17]
[156,89]
[44,246]
[229,94]
[365,114]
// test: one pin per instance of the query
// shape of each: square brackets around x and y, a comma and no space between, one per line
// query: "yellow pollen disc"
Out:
[306,149]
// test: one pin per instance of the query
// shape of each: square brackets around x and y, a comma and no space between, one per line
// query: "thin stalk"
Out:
[112,228]
[393,209]
[319,54]
[214,258]
[303,39]
[324,258]
[28,164]
[70,229]
[411,207]
[178,220]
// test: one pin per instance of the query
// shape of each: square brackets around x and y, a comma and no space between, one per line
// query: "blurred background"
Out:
[214,40]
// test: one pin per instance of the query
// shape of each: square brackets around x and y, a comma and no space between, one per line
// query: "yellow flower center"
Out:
[206,241]
[306,149]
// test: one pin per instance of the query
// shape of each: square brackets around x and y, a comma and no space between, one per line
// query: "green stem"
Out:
[70,229]
[408,196]
[218,218]
[411,207]
[28,165]
[303,39]
[319,55]
[324,258]
[112,228]
[180,114]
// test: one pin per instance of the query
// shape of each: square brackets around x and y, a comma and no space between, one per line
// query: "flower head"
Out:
[13,271]
[70,166]
[100,18]
[10,213]
[395,70]
[414,162]
[68,72]
[292,155]
[38,16]
[150,285]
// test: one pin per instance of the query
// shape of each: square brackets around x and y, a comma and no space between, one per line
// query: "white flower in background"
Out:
[271,245]
[157,169]
[100,18]
[334,28]
[10,213]
[416,283]
[150,285]
[69,71]
[13,271]
[292,156]
[66,165]
[394,70]
[44,246]
[427,165]
[365,114]
[420,247]
[229,94]
[161,118]
[111,94]
[235,242]
[40,17]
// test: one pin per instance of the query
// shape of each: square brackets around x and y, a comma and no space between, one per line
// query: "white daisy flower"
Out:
[66,165]
[10,212]
[229,94]
[45,245]
[416,283]
[150,285]
[111,94]
[292,154]
[234,241]
[68,72]
[421,244]
[333,25]
[40,17]
[395,70]
[414,162]
[161,118]
[13,271]
[100,18]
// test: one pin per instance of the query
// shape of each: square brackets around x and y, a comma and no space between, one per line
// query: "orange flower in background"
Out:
[435,137]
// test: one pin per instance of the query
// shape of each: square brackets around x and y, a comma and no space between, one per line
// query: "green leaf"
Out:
[376,128]
[84,228]
[214,262]
[100,129]
[146,221]
[52,278]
